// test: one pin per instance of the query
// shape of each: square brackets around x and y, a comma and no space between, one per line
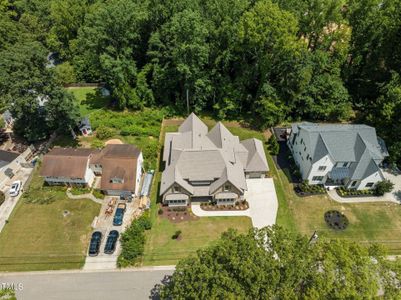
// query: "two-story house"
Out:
[338,154]
[119,166]
[202,165]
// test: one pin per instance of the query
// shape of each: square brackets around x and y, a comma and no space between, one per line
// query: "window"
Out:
[302,141]
[176,189]
[317,178]
[307,157]
[226,187]
[369,184]
[304,149]
[345,165]
[322,168]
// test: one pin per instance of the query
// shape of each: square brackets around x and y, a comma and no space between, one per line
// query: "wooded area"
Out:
[264,61]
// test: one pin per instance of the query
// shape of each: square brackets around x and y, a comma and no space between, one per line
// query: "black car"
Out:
[95,243]
[111,242]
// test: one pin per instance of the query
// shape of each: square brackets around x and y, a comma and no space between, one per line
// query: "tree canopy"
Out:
[272,263]
[263,61]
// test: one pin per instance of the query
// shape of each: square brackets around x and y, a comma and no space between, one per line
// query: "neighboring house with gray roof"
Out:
[204,165]
[338,154]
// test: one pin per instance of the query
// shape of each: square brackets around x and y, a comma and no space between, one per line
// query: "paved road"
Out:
[80,285]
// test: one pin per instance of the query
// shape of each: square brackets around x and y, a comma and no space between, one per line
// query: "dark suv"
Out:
[111,242]
[95,243]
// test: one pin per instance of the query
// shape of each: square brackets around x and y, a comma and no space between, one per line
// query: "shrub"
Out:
[176,235]
[103,132]
[96,143]
[274,147]
[133,241]
[160,211]
[383,187]
[98,194]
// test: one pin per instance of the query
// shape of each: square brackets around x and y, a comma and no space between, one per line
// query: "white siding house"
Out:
[338,155]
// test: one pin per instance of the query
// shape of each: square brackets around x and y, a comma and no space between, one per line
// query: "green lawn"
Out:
[369,222]
[89,99]
[39,237]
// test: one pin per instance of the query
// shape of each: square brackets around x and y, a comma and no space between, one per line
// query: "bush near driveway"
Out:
[133,242]
[382,187]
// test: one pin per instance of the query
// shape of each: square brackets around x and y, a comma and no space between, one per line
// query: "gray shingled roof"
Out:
[256,158]
[194,154]
[344,143]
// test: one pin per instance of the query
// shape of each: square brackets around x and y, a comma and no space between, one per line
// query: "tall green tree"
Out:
[179,53]
[109,44]
[272,263]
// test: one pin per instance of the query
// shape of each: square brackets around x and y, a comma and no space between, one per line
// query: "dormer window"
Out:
[226,187]
[176,189]
[117,180]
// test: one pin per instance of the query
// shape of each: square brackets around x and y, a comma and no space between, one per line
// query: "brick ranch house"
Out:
[120,168]
[209,166]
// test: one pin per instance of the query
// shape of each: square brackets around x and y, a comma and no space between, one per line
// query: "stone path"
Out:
[84,196]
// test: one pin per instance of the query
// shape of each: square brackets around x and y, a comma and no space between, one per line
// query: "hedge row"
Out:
[133,242]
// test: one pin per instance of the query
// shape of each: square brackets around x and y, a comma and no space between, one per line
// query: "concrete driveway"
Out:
[263,204]
[104,224]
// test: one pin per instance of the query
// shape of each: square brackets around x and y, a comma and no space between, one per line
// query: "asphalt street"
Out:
[76,285]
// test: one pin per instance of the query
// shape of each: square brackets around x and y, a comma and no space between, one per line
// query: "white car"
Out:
[15,188]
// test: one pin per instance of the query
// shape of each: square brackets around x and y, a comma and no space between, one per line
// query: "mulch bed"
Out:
[336,220]
[225,207]
[177,215]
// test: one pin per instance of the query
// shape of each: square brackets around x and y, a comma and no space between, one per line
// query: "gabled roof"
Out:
[256,158]
[66,162]
[344,143]
[193,154]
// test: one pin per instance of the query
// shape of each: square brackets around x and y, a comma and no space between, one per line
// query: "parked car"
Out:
[15,188]
[111,242]
[119,214]
[94,245]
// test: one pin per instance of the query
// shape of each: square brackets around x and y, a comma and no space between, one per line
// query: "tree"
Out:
[273,263]
[382,187]
[274,147]
[109,45]
[179,52]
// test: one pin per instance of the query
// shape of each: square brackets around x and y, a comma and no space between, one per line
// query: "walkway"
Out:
[84,196]
[198,211]
[394,196]
[263,204]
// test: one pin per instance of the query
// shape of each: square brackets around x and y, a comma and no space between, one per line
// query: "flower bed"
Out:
[346,193]
[176,214]
[241,205]
[305,189]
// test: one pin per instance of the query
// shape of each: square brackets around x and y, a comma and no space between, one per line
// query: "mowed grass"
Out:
[161,249]
[89,99]
[369,222]
[39,237]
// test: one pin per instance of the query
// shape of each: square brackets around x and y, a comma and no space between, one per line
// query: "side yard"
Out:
[46,231]
[368,222]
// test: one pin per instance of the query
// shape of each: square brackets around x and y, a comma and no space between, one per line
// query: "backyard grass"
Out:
[140,128]
[38,235]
